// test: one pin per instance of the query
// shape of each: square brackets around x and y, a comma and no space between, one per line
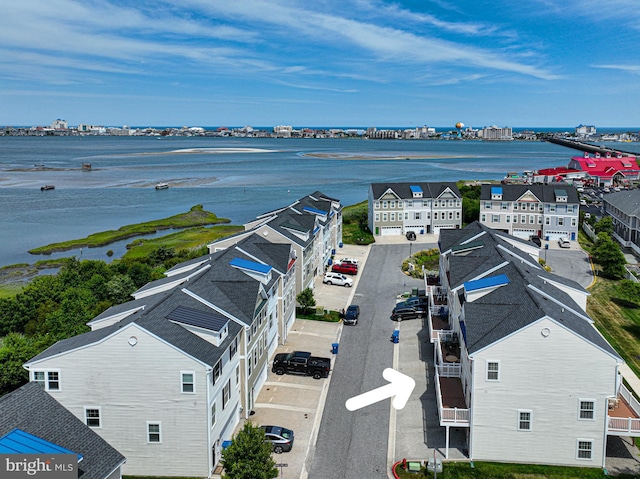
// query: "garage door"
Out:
[390,230]
[524,234]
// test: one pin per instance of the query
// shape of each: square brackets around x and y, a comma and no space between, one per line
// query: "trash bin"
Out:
[226,444]
[340,244]
[395,336]
[334,348]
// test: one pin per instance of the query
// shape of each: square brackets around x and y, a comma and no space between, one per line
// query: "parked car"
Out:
[352,315]
[564,243]
[419,301]
[337,279]
[536,240]
[348,260]
[281,438]
[301,362]
[346,268]
[411,235]
[406,312]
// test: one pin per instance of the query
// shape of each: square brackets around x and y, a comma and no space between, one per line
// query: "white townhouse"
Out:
[424,208]
[167,377]
[33,422]
[624,209]
[547,211]
[519,365]
[312,225]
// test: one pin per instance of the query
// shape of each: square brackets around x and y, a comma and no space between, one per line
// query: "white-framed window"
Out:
[532,206]
[552,208]
[392,204]
[385,204]
[249,335]
[531,219]
[574,221]
[457,215]
[508,218]
[49,380]
[249,363]
[584,449]
[384,217]
[233,349]
[586,409]
[377,217]
[92,416]
[539,220]
[435,215]
[255,356]
[495,218]
[226,394]
[392,216]
[487,205]
[483,217]
[238,376]
[154,432]
[417,215]
[560,221]
[406,215]
[515,207]
[547,220]
[504,206]
[213,414]
[450,215]
[409,203]
[377,205]
[523,219]
[515,218]
[188,380]
[217,372]
[524,420]
[493,370]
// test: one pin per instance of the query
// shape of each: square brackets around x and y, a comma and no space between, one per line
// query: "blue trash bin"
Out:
[334,348]
[395,336]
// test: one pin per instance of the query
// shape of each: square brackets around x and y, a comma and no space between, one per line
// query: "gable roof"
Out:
[404,190]
[32,410]
[545,193]
[526,292]
[627,201]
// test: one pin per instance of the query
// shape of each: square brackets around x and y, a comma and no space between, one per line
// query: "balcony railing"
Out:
[450,416]
[624,414]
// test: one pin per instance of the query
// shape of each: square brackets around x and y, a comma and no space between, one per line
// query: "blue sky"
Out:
[407,63]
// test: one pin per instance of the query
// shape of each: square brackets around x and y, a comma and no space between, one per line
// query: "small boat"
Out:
[47,187]
[162,186]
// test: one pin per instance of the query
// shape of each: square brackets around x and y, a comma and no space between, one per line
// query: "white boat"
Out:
[162,186]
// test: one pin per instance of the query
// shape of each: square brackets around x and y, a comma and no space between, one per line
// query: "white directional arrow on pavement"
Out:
[400,388]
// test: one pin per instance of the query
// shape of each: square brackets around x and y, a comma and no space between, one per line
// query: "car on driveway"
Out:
[337,279]
[406,312]
[281,438]
[346,268]
[348,260]
[352,315]
[564,243]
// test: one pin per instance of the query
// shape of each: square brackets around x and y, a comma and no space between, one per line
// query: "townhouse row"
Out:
[546,211]
[165,378]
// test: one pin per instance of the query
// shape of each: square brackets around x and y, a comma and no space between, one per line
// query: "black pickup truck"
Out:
[301,362]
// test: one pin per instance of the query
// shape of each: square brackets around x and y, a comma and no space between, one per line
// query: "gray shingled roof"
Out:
[545,193]
[276,255]
[627,201]
[31,409]
[521,302]
[403,190]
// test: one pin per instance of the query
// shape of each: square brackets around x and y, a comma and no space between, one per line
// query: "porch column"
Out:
[446,455]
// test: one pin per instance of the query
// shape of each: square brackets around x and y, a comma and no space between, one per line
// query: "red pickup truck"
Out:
[345,268]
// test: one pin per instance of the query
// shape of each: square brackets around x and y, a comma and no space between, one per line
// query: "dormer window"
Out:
[496,193]
[416,191]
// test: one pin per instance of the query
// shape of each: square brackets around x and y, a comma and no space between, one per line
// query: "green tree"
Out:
[15,350]
[470,210]
[306,300]
[604,225]
[628,292]
[249,456]
[119,288]
[607,253]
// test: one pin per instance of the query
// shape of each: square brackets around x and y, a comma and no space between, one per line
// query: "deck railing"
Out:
[626,425]
[630,398]
[450,416]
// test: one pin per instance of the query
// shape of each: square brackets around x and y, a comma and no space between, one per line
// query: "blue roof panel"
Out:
[250,265]
[415,189]
[488,282]
[496,190]
[19,442]
[314,210]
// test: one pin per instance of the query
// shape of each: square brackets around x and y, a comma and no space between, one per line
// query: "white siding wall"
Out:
[133,385]
[547,375]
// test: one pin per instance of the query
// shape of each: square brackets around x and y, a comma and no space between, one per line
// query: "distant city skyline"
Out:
[350,63]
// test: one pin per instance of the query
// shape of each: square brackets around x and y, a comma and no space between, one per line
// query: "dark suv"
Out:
[352,315]
[400,313]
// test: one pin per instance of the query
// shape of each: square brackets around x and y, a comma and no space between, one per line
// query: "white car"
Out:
[338,279]
[564,243]
[348,260]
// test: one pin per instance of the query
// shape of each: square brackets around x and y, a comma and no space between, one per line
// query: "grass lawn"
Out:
[195,217]
[354,224]
[491,470]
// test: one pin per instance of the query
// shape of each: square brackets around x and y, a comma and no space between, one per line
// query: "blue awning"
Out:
[19,442]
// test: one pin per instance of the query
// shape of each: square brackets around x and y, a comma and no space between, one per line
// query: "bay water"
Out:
[235,178]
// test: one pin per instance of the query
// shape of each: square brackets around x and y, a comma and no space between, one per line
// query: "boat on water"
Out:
[162,186]
[47,187]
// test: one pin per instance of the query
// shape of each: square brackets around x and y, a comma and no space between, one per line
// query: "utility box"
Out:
[434,465]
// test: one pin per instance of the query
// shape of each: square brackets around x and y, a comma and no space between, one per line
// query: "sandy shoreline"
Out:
[351,156]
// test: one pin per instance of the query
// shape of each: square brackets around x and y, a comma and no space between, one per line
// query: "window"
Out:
[213,414]
[552,208]
[377,217]
[504,206]
[50,380]
[524,420]
[154,434]
[92,416]
[483,217]
[248,335]
[392,217]
[495,218]
[587,409]
[531,219]
[255,356]
[493,370]
[385,204]
[487,205]
[547,221]
[585,448]
[508,218]
[188,382]
[409,203]
[435,215]
[377,205]
[238,375]
[450,215]
[417,215]
[226,394]
[384,217]
[406,215]
[523,219]
[217,372]
[249,363]
[560,221]
[574,221]
[233,349]
[515,206]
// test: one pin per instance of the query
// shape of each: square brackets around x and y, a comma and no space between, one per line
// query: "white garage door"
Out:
[390,230]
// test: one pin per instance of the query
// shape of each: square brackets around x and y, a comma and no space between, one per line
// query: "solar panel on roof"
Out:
[250,265]
[489,282]
[211,321]
[20,442]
